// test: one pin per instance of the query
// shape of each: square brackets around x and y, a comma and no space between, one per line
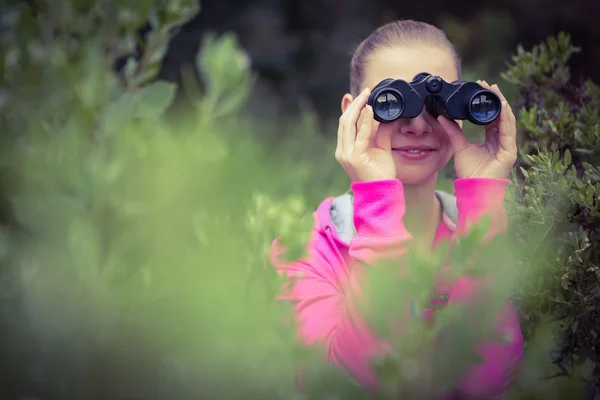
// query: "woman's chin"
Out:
[415,176]
[411,173]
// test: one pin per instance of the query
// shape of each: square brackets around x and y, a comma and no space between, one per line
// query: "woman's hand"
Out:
[364,154]
[494,158]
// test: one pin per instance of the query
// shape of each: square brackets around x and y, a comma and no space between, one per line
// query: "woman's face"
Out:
[424,130]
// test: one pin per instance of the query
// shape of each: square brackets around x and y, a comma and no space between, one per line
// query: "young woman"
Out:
[393,168]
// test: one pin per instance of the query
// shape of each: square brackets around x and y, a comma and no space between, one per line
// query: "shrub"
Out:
[135,271]
[555,207]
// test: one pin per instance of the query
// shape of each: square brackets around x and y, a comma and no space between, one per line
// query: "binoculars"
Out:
[392,99]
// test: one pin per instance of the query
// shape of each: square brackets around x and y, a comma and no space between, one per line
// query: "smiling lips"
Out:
[414,153]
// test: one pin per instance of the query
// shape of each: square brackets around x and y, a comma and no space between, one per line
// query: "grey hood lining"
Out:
[342,213]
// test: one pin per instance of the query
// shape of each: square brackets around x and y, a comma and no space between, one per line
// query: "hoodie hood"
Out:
[338,213]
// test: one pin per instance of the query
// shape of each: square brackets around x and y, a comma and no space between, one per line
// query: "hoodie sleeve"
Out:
[379,209]
[479,197]
[324,305]
[491,378]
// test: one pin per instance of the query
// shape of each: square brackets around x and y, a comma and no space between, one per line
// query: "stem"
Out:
[537,247]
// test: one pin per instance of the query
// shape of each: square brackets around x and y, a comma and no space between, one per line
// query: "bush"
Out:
[136,270]
[555,207]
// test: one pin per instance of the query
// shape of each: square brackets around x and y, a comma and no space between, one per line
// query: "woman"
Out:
[393,168]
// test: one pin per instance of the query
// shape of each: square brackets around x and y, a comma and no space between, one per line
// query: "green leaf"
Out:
[158,54]
[154,99]
[567,158]
[224,65]
[119,113]
[578,197]
[590,197]
[147,75]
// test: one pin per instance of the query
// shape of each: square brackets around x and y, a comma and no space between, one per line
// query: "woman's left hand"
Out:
[494,158]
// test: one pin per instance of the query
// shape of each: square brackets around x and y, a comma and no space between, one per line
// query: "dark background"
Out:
[301,48]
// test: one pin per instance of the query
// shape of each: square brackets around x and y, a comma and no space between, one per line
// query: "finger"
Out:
[458,141]
[494,88]
[353,112]
[507,126]
[513,120]
[494,125]
[349,120]
[492,140]
[340,139]
[491,132]
[365,132]
[383,139]
[506,131]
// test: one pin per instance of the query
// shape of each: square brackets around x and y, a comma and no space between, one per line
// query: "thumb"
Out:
[458,140]
[383,140]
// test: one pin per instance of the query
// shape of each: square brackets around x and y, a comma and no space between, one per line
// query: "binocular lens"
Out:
[388,105]
[484,107]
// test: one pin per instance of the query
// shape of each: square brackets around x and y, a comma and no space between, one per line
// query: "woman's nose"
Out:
[417,126]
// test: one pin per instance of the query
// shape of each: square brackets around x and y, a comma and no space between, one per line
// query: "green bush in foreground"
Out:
[556,209]
[138,269]
[141,270]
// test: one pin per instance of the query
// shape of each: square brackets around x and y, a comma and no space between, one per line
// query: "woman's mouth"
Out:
[413,153]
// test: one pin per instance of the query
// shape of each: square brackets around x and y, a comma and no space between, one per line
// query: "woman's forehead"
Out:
[404,63]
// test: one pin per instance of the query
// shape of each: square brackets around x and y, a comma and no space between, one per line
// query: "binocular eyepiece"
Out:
[392,99]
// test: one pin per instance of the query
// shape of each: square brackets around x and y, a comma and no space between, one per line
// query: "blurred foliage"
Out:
[135,265]
[556,207]
[136,262]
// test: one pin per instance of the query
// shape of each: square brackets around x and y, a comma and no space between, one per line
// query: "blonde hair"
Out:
[397,33]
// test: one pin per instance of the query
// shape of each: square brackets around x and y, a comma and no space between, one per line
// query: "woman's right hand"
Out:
[365,154]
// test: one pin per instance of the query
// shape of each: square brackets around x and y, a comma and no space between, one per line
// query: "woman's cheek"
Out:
[448,156]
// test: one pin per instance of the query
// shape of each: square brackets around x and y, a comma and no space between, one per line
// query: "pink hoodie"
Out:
[325,316]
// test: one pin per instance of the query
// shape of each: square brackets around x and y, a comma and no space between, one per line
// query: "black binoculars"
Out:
[392,99]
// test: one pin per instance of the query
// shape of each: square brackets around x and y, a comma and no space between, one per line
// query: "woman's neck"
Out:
[423,211]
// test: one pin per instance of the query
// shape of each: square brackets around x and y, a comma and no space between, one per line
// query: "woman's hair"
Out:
[407,33]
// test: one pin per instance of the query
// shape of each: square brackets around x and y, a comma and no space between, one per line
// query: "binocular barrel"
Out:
[459,100]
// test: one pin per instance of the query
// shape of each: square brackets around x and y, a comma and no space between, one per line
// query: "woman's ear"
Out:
[346,101]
